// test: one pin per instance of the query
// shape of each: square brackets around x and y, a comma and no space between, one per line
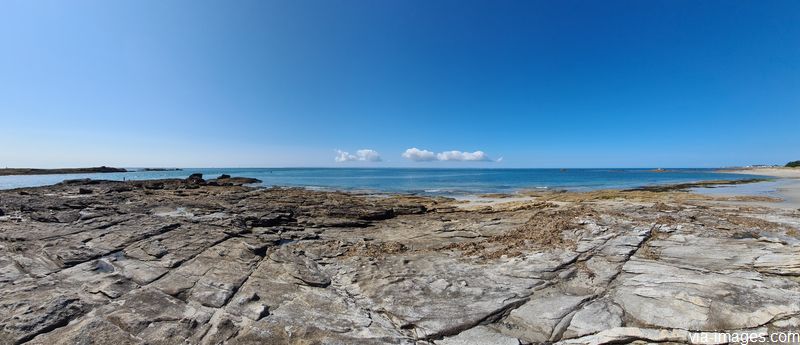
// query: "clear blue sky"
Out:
[286,83]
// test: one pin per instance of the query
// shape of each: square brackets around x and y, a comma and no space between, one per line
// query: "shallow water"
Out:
[423,181]
[783,188]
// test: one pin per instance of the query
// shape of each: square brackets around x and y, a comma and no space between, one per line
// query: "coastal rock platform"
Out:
[217,262]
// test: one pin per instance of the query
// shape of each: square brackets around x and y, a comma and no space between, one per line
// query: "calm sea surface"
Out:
[425,181]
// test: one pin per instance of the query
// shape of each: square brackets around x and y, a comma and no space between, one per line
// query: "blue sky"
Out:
[288,83]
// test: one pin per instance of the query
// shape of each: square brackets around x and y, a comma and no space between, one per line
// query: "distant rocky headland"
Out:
[32,171]
[196,261]
[160,169]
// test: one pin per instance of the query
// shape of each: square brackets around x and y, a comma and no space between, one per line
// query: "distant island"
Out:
[161,169]
[31,171]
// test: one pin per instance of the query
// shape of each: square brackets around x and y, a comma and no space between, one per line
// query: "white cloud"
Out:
[418,155]
[462,156]
[368,155]
[363,155]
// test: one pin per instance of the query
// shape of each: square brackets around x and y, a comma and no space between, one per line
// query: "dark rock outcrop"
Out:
[29,171]
[195,178]
[227,180]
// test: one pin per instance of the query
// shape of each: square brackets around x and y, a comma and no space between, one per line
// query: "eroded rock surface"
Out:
[215,262]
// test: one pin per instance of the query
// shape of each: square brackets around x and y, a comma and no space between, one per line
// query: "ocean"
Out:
[419,181]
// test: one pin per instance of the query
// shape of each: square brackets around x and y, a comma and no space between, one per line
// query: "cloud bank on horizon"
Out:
[416,155]
[363,155]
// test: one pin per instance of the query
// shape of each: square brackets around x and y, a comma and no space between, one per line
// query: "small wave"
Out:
[317,188]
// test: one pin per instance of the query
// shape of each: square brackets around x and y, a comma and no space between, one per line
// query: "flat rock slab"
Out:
[537,320]
[479,335]
[666,296]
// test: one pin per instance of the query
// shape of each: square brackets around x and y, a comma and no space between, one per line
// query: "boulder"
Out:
[195,178]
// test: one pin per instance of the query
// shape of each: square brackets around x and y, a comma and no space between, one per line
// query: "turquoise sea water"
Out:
[423,181]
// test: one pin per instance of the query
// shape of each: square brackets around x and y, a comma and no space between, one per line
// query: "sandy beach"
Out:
[787,188]
[793,173]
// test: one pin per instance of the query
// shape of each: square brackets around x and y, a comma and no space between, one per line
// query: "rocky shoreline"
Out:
[683,187]
[215,261]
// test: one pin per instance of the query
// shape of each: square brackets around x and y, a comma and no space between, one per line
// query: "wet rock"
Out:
[83,181]
[267,220]
[227,180]
[195,178]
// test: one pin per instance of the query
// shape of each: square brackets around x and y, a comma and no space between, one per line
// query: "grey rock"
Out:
[536,321]
[214,262]
[673,297]
[30,321]
[593,318]
[480,335]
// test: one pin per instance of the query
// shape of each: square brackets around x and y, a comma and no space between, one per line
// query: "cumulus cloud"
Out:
[363,155]
[462,156]
[418,155]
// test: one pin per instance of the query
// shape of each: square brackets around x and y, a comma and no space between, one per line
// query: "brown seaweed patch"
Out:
[544,230]
[751,222]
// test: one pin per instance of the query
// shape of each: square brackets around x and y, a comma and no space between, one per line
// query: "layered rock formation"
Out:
[213,262]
